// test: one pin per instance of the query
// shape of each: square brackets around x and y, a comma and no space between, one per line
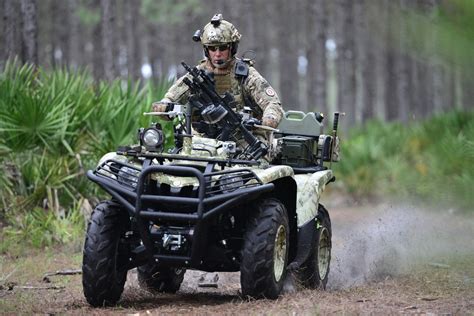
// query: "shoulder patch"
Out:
[270,92]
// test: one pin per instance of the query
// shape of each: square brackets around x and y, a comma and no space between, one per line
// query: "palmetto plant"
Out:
[432,160]
[54,126]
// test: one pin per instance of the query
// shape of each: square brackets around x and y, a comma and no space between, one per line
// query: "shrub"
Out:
[431,160]
[53,127]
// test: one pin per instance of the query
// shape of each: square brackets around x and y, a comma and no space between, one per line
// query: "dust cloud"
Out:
[387,241]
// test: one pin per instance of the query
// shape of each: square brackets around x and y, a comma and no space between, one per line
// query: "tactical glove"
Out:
[251,122]
[161,106]
[270,121]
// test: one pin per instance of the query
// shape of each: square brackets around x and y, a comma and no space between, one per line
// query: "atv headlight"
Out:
[128,176]
[152,138]
[229,183]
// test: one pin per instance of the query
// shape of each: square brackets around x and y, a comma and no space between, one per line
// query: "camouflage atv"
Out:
[210,206]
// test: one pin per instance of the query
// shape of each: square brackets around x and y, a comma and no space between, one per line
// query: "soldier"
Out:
[220,40]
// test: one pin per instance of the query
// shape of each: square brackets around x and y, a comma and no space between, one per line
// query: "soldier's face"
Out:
[219,54]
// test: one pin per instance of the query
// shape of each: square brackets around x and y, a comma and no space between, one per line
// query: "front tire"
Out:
[105,255]
[315,271]
[160,280]
[265,251]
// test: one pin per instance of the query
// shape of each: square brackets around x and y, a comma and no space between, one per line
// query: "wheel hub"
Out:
[279,253]
[324,252]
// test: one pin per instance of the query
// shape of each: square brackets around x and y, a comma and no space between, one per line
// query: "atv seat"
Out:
[300,124]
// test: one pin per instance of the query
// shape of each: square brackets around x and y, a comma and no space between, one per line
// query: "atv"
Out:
[213,205]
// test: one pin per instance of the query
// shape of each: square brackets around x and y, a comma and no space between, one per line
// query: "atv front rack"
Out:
[130,186]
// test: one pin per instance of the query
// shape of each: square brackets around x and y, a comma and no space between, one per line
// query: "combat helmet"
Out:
[218,32]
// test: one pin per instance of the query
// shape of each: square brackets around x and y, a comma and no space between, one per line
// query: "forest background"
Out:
[77,74]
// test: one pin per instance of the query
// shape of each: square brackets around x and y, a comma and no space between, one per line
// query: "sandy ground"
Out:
[386,259]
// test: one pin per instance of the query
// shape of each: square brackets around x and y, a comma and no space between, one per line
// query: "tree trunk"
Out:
[345,61]
[264,36]
[97,55]
[379,13]
[467,90]
[132,18]
[64,33]
[55,12]
[426,70]
[370,39]
[402,68]
[317,12]
[155,55]
[29,32]
[393,63]
[108,38]
[248,29]
[288,55]
[74,60]
[361,49]
[10,27]
[436,82]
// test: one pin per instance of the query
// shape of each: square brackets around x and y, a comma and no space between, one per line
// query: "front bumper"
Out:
[206,203]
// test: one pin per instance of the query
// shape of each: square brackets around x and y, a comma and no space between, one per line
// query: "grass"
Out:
[29,271]
[430,289]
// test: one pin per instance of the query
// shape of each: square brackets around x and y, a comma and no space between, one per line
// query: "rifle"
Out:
[217,109]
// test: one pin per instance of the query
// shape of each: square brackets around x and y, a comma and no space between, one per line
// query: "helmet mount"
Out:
[216,19]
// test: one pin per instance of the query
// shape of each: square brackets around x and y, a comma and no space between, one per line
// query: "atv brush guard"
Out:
[215,193]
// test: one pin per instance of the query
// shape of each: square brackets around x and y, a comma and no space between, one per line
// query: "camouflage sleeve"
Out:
[178,92]
[263,94]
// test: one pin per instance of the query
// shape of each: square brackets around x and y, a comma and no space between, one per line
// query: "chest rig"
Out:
[232,79]
[223,81]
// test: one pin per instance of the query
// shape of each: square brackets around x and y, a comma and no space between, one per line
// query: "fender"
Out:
[310,187]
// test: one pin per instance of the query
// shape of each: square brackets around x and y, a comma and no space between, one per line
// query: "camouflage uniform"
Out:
[251,90]
[254,87]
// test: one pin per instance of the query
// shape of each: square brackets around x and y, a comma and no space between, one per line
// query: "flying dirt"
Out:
[372,244]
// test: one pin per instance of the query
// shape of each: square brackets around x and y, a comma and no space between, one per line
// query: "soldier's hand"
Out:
[251,122]
[159,106]
[270,121]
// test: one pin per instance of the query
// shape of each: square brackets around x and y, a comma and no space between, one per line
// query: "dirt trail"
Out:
[386,259]
[377,246]
[382,241]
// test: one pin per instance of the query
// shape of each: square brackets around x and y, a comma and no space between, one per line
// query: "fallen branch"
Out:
[28,287]
[429,299]
[363,300]
[60,272]
[64,272]
[410,307]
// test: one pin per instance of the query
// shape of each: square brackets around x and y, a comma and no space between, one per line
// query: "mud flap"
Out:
[306,237]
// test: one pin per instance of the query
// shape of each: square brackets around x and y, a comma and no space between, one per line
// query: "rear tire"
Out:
[153,278]
[315,271]
[265,250]
[105,255]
